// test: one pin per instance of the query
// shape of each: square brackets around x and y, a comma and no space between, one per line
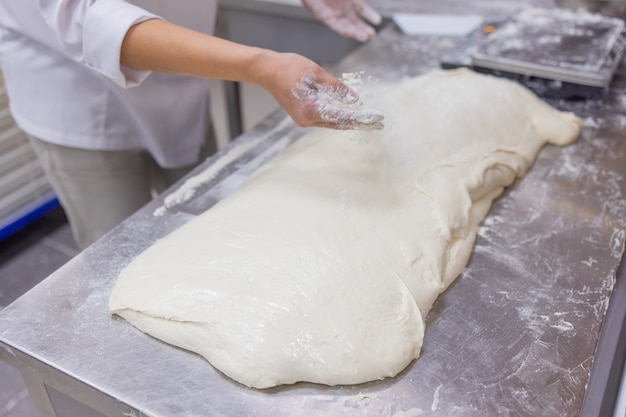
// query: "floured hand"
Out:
[338,105]
[314,97]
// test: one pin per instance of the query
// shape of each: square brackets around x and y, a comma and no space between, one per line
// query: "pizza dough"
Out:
[324,264]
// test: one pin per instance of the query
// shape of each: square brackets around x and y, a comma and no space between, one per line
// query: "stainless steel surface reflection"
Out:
[514,335]
[615,8]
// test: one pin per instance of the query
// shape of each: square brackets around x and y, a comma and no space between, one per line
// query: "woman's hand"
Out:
[312,96]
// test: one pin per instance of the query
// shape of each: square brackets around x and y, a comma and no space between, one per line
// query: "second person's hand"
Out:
[347,17]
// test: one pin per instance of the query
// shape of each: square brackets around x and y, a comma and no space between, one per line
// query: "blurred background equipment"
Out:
[25,194]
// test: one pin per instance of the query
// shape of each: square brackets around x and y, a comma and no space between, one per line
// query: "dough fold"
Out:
[323,265]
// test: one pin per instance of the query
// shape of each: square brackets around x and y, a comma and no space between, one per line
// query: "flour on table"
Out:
[187,189]
[324,264]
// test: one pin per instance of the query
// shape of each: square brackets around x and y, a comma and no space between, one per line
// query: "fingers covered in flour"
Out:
[314,97]
[335,105]
[350,119]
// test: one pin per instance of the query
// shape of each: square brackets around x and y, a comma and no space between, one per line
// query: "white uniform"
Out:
[61,64]
[67,90]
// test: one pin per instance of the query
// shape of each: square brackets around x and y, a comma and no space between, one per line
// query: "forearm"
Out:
[157,45]
[299,85]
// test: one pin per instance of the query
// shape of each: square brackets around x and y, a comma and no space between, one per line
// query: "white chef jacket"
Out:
[61,64]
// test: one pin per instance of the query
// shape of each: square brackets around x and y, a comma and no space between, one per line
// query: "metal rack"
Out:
[24,191]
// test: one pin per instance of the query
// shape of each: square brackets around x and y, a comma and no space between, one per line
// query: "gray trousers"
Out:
[99,189]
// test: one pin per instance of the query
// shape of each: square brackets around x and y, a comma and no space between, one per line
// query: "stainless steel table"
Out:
[515,335]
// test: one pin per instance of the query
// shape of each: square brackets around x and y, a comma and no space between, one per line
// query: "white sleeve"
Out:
[92,31]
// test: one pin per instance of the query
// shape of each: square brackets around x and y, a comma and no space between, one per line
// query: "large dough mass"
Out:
[324,264]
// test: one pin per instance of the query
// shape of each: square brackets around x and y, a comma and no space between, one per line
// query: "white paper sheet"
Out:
[436,24]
